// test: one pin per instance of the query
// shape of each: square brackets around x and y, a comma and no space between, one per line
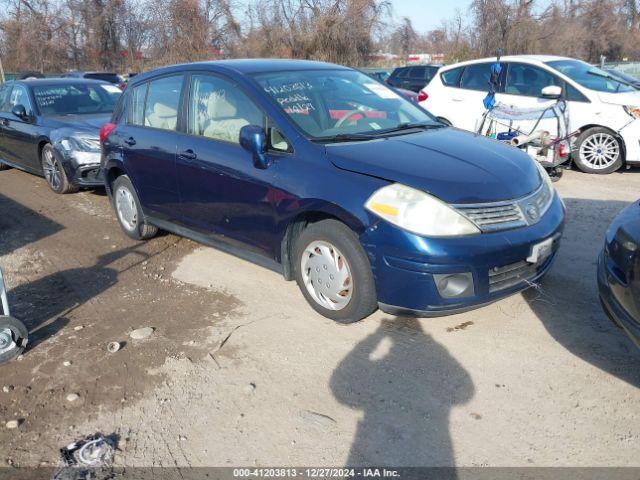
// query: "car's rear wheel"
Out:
[129,211]
[598,151]
[333,272]
[54,172]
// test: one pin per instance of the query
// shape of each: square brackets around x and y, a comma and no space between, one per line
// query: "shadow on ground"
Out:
[56,295]
[12,220]
[567,303]
[406,384]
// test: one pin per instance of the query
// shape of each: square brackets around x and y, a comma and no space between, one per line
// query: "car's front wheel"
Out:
[54,172]
[598,151]
[333,272]
[129,211]
[4,166]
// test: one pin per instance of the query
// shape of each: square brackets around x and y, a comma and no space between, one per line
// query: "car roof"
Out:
[58,81]
[511,58]
[243,66]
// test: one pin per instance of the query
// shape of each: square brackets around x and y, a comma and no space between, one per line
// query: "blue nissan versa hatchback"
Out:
[333,179]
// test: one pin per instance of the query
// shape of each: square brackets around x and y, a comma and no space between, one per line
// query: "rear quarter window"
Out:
[451,78]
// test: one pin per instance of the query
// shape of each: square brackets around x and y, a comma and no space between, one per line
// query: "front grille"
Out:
[491,217]
[510,275]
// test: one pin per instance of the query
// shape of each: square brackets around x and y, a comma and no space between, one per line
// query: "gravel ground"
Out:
[240,371]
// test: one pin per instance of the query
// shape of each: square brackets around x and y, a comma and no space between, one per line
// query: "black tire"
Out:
[54,172]
[20,336]
[138,229]
[4,167]
[580,156]
[363,301]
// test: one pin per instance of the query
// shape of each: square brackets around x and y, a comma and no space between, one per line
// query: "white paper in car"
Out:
[111,89]
[381,90]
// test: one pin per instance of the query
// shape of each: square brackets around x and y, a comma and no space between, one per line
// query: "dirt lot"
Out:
[240,371]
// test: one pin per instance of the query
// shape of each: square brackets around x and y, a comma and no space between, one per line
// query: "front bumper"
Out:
[404,264]
[611,306]
[88,176]
[630,135]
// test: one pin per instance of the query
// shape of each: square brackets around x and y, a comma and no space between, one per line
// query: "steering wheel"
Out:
[346,117]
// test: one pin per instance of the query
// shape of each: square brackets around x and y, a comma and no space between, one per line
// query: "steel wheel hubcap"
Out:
[126,207]
[6,340]
[600,150]
[326,275]
[51,169]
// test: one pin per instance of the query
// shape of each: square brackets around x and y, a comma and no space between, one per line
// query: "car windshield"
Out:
[341,104]
[589,76]
[74,99]
[622,76]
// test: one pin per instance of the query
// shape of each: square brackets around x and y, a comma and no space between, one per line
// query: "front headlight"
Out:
[632,111]
[418,212]
[81,143]
[544,176]
[84,149]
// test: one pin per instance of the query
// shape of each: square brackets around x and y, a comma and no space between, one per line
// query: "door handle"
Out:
[188,155]
[130,141]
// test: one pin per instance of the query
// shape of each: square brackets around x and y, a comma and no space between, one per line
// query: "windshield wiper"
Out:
[346,137]
[409,126]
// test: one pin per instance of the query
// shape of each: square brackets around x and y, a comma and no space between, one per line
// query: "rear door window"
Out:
[418,73]
[163,102]
[476,77]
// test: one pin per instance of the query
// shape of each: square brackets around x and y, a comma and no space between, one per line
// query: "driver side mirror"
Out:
[552,92]
[20,112]
[253,139]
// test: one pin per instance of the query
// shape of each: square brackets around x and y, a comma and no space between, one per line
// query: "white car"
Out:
[604,109]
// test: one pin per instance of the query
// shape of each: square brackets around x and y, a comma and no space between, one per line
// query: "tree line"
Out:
[135,35]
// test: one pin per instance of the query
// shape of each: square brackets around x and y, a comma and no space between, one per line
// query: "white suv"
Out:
[605,110]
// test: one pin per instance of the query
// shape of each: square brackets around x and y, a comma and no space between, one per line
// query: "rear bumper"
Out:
[612,307]
[406,266]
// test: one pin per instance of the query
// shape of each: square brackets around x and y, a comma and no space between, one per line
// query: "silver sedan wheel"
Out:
[600,151]
[326,275]
[6,341]
[126,208]
[51,168]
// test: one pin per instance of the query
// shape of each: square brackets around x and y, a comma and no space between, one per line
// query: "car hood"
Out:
[623,98]
[84,122]
[455,166]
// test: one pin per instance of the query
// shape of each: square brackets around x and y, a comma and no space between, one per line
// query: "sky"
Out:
[428,14]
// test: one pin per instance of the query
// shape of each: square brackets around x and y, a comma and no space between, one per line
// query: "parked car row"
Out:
[312,169]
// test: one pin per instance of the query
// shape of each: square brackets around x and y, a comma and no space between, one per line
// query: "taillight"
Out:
[422,96]
[563,151]
[106,130]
